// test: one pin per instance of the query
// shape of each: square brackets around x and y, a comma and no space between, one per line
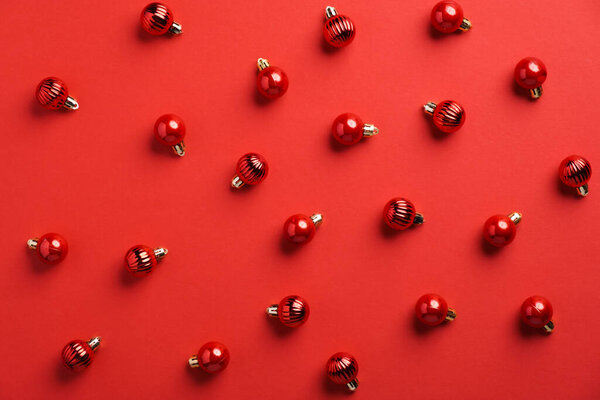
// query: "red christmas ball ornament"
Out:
[51,248]
[500,230]
[141,259]
[447,17]
[536,312]
[432,310]
[251,169]
[157,20]
[78,354]
[530,73]
[272,82]
[448,116]
[213,357]
[338,31]
[52,93]
[348,129]
[292,311]
[342,369]
[169,130]
[399,214]
[300,229]
[575,171]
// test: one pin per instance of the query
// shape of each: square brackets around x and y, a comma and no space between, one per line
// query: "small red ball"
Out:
[499,230]
[449,116]
[536,311]
[575,171]
[431,309]
[293,311]
[156,19]
[52,248]
[447,16]
[299,229]
[347,129]
[530,73]
[252,168]
[169,129]
[77,355]
[339,31]
[140,260]
[213,357]
[272,82]
[342,368]
[52,93]
[399,213]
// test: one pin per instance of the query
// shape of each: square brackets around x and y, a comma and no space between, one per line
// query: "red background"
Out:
[97,177]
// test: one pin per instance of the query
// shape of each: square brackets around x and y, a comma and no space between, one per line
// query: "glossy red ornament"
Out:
[213,357]
[292,311]
[157,19]
[536,312]
[432,310]
[530,73]
[52,93]
[500,230]
[342,369]
[448,116]
[251,169]
[399,214]
[300,229]
[52,248]
[447,17]
[348,129]
[141,259]
[272,82]
[338,31]
[575,171]
[169,130]
[78,355]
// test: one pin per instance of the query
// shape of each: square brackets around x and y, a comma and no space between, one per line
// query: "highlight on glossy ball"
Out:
[536,312]
[339,30]
[342,369]
[399,214]
[52,94]
[251,169]
[575,171]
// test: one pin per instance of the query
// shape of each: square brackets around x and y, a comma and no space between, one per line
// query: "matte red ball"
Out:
[140,260]
[447,16]
[213,357]
[293,311]
[156,19]
[449,116]
[347,129]
[575,171]
[77,355]
[536,311]
[52,93]
[339,31]
[530,73]
[431,309]
[52,248]
[342,368]
[272,82]
[499,230]
[299,229]
[252,168]
[169,129]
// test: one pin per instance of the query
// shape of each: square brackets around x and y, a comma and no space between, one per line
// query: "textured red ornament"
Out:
[399,214]
[77,354]
[251,169]
[432,309]
[575,171]
[272,82]
[536,312]
[500,230]
[213,357]
[447,17]
[300,229]
[169,130]
[338,31]
[448,116]
[292,311]
[530,73]
[52,248]
[342,369]
[348,129]
[52,93]
[141,259]
[157,19]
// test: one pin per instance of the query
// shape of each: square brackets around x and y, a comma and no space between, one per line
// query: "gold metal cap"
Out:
[536,93]
[71,103]
[370,130]
[176,28]
[273,310]
[549,327]
[237,182]
[94,342]
[262,63]
[583,190]
[160,252]
[193,362]
[352,385]
[179,149]
[330,12]
[429,108]
[317,219]
[515,217]
[465,25]
[32,243]
[451,315]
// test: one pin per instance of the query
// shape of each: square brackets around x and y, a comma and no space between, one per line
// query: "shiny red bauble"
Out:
[157,19]
[78,354]
[399,214]
[292,311]
[300,229]
[575,171]
[447,17]
[448,116]
[52,93]
[272,82]
[500,230]
[342,369]
[251,169]
[169,130]
[536,312]
[431,309]
[51,248]
[530,73]
[348,129]
[213,357]
[141,259]
[338,31]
